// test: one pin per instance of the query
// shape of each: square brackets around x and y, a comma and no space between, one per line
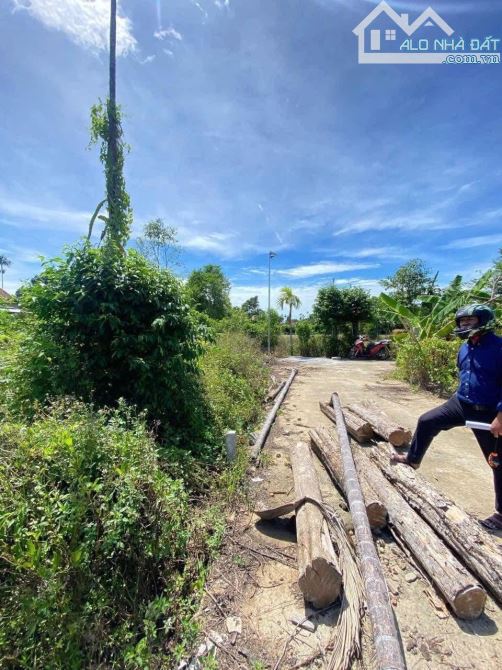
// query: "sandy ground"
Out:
[255,578]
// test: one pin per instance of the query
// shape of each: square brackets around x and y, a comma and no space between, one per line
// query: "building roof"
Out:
[4,295]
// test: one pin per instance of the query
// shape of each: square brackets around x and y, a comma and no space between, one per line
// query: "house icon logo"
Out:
[385,36]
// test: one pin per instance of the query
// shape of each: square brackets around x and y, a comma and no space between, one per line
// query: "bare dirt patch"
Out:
[255,578]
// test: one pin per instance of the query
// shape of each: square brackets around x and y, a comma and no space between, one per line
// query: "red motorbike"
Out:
[364,349]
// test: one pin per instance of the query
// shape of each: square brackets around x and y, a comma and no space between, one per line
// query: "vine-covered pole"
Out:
[389,655]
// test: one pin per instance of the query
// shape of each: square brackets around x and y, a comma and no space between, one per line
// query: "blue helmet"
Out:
[485,316]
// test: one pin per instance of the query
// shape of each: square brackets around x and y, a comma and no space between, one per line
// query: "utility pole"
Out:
[271,255]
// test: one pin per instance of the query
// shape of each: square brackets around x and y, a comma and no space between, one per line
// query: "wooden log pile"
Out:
[454,551]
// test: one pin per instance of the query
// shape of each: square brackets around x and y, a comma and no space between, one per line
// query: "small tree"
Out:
[409,282]
[251,307]
[159,243]
[209,291]
[357,307]
[4,263]
[287,297]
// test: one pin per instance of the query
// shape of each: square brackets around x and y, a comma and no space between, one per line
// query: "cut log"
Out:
[319,579]
[459,588]
[357,427]
[325,448]
[382,424]
[388,650]
[459,530]
[260,440]
[274,392]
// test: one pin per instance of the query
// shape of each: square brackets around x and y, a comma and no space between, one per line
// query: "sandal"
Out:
[493,522]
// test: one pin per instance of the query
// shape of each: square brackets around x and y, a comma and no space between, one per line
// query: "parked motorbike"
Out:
[362,348]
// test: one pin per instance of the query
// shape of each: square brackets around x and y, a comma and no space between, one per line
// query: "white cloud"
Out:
[37,216]
[211,242]
[376,252]
[317,269]
[148,59]
[161,34]
[86,23]
[479,241]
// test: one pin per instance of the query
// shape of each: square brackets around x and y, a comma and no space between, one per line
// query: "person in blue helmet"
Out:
[478,398]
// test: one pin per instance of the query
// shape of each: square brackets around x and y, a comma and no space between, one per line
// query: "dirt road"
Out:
[255,578]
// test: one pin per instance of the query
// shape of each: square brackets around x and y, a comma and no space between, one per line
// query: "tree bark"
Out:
[273,393]
[382,424]
[357,427]
[458,587]
[328,451]
[458,529]
[388,650]
[260,440]
[319,579]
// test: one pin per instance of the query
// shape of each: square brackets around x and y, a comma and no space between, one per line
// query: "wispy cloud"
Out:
[164,33]
[37,216]
[478,241]
[325,268]
[86,23]
[148,59]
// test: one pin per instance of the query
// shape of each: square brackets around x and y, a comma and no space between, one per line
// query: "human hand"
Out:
[496,425]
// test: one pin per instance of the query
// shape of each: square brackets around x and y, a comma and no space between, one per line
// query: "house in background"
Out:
[382,32]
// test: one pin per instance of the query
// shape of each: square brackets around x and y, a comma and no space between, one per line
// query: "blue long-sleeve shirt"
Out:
[480,371]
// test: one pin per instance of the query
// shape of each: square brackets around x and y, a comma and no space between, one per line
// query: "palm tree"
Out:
[287,297]
[4,263]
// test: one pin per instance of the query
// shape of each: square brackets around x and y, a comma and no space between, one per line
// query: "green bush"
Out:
[235,380]
[255,326]
[93,542]
[430,363]
[109,327]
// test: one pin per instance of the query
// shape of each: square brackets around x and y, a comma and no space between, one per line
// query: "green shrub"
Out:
[93,543]
[235,381]
[109,327]
[430,363]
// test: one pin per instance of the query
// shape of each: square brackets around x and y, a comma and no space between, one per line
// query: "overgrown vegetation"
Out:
[116,385]
[98,552]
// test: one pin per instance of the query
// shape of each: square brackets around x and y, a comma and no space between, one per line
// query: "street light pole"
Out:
[271,255]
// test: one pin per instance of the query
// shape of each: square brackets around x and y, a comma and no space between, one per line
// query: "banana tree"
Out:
[438,316]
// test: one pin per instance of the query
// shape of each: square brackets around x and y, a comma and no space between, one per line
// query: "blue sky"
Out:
[253,127]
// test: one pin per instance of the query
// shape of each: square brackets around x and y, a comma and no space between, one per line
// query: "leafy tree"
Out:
[287,297]
[357,307]
[4,263]
[409,282]
[251,307]
[159,243]
[328,309]
[209,291]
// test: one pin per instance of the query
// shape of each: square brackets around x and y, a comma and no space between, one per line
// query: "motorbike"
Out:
[363,349]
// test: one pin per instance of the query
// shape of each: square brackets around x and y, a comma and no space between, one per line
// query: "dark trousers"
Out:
[450,415]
